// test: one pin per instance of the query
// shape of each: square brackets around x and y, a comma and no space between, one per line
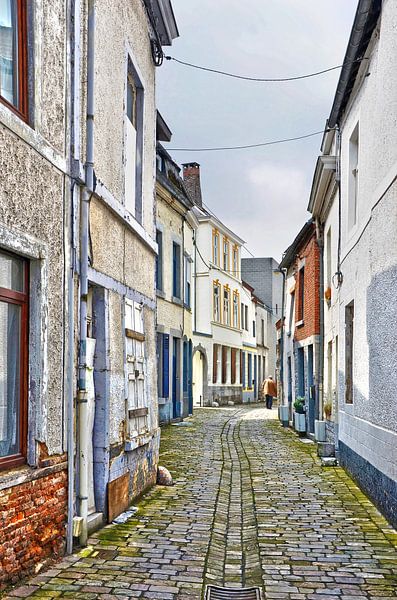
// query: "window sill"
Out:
[26,474]
[299,323]
[224,326]
[142,439]
[160,294]
[176,300]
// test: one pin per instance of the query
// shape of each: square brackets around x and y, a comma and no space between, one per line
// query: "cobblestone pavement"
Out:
[251,506]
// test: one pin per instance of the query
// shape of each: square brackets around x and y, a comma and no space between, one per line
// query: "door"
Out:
[175,378]
[311,388]
[289,379]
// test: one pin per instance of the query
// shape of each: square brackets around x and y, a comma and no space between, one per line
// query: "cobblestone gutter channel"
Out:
[251,507]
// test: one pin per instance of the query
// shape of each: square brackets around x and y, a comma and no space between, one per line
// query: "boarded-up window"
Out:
[349,352]
[136,368]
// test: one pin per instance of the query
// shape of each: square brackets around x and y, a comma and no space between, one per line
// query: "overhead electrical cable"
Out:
[261,79]
[244,147]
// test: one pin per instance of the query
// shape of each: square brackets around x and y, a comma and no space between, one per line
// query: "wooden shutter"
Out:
[214,363]
[224,363]
[234,353]
[166,365]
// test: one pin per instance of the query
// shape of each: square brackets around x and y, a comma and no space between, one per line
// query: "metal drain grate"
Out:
[214,592]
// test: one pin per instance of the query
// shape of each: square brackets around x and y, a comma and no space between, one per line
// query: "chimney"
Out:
[191,179]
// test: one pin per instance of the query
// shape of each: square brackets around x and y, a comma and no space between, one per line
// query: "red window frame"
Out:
[20,299]
[22,109]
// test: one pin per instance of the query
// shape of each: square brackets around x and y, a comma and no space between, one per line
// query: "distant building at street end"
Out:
[224,326]
[264,276]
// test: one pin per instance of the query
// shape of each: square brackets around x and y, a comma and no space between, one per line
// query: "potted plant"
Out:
[299,415]
[328,410]
[327,295]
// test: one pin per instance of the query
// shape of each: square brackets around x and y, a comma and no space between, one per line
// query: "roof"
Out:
[162,18]
[163,132]
[367,15]
[170,179]
[204,214]
[302,237]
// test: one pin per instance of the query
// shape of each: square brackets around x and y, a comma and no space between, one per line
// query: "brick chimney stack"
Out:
[191,178]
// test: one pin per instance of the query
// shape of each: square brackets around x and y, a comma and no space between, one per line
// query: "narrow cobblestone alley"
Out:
[251,505]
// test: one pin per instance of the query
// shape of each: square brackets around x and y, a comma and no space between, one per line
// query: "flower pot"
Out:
[319,431]
[299,422]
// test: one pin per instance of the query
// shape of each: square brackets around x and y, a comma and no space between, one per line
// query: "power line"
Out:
[261,144]
[260,79]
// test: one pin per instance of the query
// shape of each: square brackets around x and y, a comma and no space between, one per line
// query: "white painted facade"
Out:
[221,374]
[365,147]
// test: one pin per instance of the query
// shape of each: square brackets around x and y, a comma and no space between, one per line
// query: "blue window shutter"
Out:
[166,365]
[243,359]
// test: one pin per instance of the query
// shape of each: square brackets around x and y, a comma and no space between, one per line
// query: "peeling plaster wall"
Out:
[122,27]
[20,211]
[120,260]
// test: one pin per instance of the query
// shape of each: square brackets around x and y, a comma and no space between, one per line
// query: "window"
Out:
[246,317]
[176,270]
[349,352]
[215,247]
[235,261]
[329,264]
[291,312]
[13,56]
[133,143]
[236,304]
[13,359]
[353,177]
[301,289]
[253,328]
[159,260]
[225,254]
[217,301]
[188,279]
[226,306]
[242,315]
[263,332]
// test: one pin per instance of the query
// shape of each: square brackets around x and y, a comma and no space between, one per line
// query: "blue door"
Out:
[185,376]
[175,378]
[190,378]
[310,388]
[255,378]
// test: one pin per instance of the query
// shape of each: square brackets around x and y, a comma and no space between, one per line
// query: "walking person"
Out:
[269,390]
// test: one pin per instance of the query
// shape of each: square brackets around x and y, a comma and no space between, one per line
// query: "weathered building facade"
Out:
[175,227]
[34,206]
[78,403]
[117,439]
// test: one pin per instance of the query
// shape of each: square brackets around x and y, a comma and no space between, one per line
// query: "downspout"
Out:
[320,353]
[195,279]
[75,193]
[84,242]
[283,272]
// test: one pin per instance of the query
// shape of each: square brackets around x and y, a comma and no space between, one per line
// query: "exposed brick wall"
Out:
[32,524]
[311,318]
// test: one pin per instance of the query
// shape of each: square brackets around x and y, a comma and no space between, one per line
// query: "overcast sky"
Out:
[261,194]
